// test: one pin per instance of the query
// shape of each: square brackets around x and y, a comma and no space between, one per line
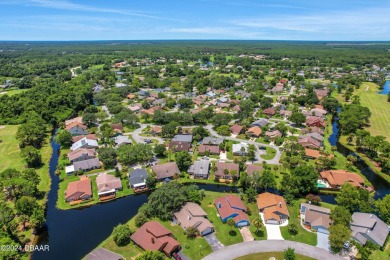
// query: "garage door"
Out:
[207,231]
[272,221]
[323,230]
[242,224]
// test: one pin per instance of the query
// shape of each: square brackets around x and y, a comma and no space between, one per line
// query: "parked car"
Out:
[148,141]
[176,256]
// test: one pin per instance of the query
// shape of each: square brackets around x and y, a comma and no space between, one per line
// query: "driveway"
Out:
[323,241]
[213,241]
[183,256]
[253,247]
[273,231]
[246,234]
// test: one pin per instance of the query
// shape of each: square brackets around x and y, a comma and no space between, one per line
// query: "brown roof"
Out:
[254,130]
[251,168]
[271,204]
[155,237]
[73,120]
[88,136]
[273,134]
[130,96]
[221,166]
[317,216]
[117,126]
[166,170]
[340,177]
[107,182]
[308,141]
[230,205]
[270,111]
[213,149]
[236,129]
[81,151]
[312,153]
[79,188]
[71,125]
[179,146]
[156,129]
[192,215]
[315,121]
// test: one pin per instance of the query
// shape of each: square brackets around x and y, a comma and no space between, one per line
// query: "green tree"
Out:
[289,254]
[366,250]
[31,134]
[191,232]
[199,133]
[292,228]
[32,156]
[338,235]
[305,177]
[9,254]
[151,182]
[267,181]
[223,130]
[257,223]
[137,153]
[183,160]
[108,157]
[37,218]
[64,138]
[89,119]
[252,152]
[140,219]
[151,255]
[26,205]
[354,199]
[340,215]
[221,119]
[160,150]
[382,206]
[169,130]
[297,118]
[231,223]
[6,214]
[121,234]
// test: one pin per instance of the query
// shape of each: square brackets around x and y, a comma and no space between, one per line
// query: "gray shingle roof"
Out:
[183,138]
[137,176]
[370,227]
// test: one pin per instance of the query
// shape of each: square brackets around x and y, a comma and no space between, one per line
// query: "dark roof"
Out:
[166,170]
[87,164]
[137,176]
[179,146]
[182,138]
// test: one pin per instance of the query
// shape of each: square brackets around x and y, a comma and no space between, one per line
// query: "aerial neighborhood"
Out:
[205,151]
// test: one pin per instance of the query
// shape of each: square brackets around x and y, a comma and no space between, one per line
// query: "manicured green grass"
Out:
[379,255]
[379,107]
[9,149]
[223,231]
[195,248]
[13,92]
[271,152]
[268,255]
[303,236]
[97,67]
[326,81]
[261,234]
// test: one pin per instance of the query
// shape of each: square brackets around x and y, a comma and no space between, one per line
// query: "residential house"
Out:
[155,237]
[285,113]
[74,120]
[274,208]
[137,180]
[310,153]
[79,190]
[316,136]
[254,131]
[84,143]
[318,112]
[313,129]
[240,149]
[210,140]
[278,88]
[236,129]
[135,108]
[251,168]
[317,218]
[200,169]
[156,130]
[337,178]
[81,155]
[87,165]
[211,149]
[88,136]
[368,227]
[192,215]
[273,134]
[122,140]
[231,206]
[271,111]
[315,121]
[309,142]
[166,170]
[107,185]
[120,85]
[179,146]
[182,138]
[77,128]
[117,127]
[260,123]
[130,96]
[321,93]
[227,171]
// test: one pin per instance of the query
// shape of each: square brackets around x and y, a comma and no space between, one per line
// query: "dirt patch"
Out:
[2,126]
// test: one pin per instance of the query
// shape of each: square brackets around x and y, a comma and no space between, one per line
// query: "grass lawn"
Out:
[261,234]
[303,236]
[13,92]
[379,107]
[223,231]
[268,255]
[379,255]
[271,152]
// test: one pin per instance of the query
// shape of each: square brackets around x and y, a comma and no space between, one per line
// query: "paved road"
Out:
[253,247]
[105,108]
[141,139]
[275,160]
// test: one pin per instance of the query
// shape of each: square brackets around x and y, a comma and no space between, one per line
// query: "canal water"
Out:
[386,88]
[382,187]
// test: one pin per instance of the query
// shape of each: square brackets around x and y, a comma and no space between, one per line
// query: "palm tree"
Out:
[231,223]
[257,223]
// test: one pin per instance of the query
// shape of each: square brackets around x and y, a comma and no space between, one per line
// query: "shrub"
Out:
[121,235]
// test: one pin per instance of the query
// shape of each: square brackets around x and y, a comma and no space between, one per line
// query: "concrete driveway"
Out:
[323,241]
[273,231]
[213,241]
[246,234]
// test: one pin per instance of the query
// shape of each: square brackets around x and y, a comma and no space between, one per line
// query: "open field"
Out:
[379,107]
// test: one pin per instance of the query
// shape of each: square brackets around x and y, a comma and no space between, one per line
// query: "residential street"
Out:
[253,247]
[275,160]
[140,139]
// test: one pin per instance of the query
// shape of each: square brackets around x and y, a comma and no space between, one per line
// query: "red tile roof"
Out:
[271,204]
[230,205]
[213,149]
[88,136]
[340,177]
[221,166]
[236,129]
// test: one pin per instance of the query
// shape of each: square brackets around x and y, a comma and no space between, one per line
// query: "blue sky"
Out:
[344,20]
